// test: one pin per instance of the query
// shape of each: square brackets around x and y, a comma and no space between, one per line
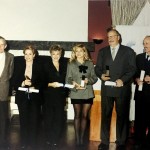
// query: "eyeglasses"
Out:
[109,37]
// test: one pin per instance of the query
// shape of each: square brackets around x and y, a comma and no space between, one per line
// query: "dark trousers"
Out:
[142,119]
[3,121]
[29,113]
[53,121]
[122,124]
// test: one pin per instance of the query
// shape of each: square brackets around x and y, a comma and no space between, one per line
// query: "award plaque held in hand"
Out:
[107,71]
[82,81]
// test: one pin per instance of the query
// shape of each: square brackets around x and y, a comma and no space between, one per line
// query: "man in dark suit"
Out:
[119,61]
[142,98]
[6,71]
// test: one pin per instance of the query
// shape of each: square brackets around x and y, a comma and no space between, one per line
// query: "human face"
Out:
[55,56]
[79,53]
[2,46]
[113,38]
[146,44]
[28,55]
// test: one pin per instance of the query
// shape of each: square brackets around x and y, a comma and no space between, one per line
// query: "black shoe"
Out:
[4,147]
[54,147]
[120,147]
[47,146]
[103,146]
[23,147]
[137,147]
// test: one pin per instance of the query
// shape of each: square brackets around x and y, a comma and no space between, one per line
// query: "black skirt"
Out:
[82,101]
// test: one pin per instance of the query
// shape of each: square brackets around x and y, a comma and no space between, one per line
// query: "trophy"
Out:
[82,81]
[107,71]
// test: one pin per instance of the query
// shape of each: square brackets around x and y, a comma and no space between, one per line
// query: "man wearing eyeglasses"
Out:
[120,61]
[6,71]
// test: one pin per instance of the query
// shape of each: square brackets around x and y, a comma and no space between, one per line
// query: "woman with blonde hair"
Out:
[81,74]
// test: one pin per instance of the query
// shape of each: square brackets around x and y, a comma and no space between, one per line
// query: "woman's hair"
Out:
[30,47]
[73,54]
[56,48]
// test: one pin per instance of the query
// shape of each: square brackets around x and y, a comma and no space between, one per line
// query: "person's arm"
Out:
[130,69]
[69,77]
[11,67]
[93,78]
[138,71]
[99,67]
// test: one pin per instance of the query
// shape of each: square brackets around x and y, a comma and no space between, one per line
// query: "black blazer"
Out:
[123,67]
[141,65]
[19,77]
[52,75]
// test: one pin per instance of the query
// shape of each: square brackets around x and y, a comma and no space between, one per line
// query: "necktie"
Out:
[113,53]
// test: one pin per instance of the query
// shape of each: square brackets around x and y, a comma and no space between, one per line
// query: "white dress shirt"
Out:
[2,62]
[147,57]
[116,49]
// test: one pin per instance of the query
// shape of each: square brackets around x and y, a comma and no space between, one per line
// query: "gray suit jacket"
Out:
[123,67]
[6,75]
[73,74]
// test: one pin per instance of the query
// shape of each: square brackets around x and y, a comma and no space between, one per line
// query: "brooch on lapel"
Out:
[83,69]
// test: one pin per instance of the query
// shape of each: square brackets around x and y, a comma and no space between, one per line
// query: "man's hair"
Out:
[117,32]
[112,29]
[148,36]
[3,39]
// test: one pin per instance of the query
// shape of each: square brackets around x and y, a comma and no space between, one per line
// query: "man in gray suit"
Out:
[115,63]
[6,71]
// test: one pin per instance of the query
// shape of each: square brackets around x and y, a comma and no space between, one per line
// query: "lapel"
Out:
[33,70]
[141,61]
[119,53]
[143,57]
[6,64]
[23,66]
[53,68]
[108,55]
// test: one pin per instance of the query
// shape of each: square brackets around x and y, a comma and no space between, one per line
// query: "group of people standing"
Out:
[124,67]
[29,74]
[116,64]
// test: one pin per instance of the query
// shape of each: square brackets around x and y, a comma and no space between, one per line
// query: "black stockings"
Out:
[80,120]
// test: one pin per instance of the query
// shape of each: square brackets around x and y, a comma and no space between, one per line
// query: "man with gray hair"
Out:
[142,98]
[119,61]
[6,71]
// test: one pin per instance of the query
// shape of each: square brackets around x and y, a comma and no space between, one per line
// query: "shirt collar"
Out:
[146,55]
[2,54]
[116,47]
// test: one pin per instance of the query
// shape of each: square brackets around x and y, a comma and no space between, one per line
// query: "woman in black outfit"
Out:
[55,72]
[27,74]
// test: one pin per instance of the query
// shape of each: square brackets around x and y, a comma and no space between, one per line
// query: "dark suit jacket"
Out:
[6,75]
[141,65]
[19,77]
[55,95]
[123,67]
